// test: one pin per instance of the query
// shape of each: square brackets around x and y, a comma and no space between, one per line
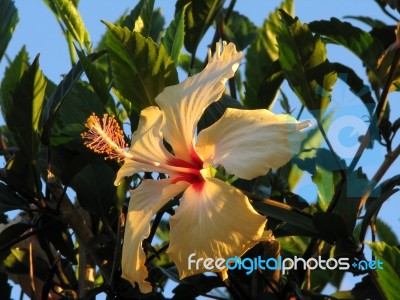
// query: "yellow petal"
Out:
[248,143]
[214,220]
[147,143]
[183,104]
[145,201]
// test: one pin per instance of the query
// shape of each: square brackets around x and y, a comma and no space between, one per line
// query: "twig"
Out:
[118,249]
[379,112]
[389,159]
[70,215]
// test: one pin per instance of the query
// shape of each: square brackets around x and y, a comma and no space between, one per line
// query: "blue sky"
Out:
[39,31]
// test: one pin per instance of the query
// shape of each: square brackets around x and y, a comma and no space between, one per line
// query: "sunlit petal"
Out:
[147,143]
[214,220]
[183,104]
[145,202]
[248,143]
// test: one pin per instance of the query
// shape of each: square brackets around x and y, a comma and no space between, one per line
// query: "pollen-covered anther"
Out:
[105,137]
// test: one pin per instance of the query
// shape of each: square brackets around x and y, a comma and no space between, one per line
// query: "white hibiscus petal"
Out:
[183,104]
[147,144]
[145,202]
[248,143]
[214,220]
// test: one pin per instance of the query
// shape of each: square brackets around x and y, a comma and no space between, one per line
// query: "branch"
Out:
[71,216]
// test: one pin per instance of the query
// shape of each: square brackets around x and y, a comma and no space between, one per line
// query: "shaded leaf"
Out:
[385,233]
[12,75]
[356,85]
[9,200]
[375,23]
[262,53]
[331,226]
[303,60]
[56,99]
[296,222]
[9,234]
[269,86]
[174,36]
[98,82]
[358,41]
[366,290]
[23,116]
[313,141]
[95,193]
[199,16]
[240,30]
[373,206]
[141,69]
[389,275]
[5,288]
[215,111]
[8,22]
[195,286]
[395,4]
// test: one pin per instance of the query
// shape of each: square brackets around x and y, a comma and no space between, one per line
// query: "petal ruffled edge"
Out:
[183,104]
[248,143]
[146,201]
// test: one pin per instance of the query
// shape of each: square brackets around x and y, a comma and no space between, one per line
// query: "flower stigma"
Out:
[107,137]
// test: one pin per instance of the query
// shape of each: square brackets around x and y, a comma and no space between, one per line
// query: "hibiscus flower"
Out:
[214,219]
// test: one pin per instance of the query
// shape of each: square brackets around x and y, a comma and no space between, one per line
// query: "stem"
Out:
[118,250]
[300,112]
[379,112]
[70,215]
[335,156]
[389,160]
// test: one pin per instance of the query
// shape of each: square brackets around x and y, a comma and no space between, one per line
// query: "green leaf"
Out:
[23,115]
[9,200]
[361,43]
[199,16]
[12,75]
[374,23]
[240,30]
[69,14]
[5,288]
[8,22]
[9,234]
[295,245]
[385,233]
[98,82]
[321,278]
[56,99]
[356,85]
[140,17]
[389,275]
[157,25]
[331,226]
[79,104]
[57,233]
[373,205]
[296,221]
[269,86]
[174,36]
[313,140]
[303,60]
[261,54]
[141,69]
[95,193]
[215,111]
